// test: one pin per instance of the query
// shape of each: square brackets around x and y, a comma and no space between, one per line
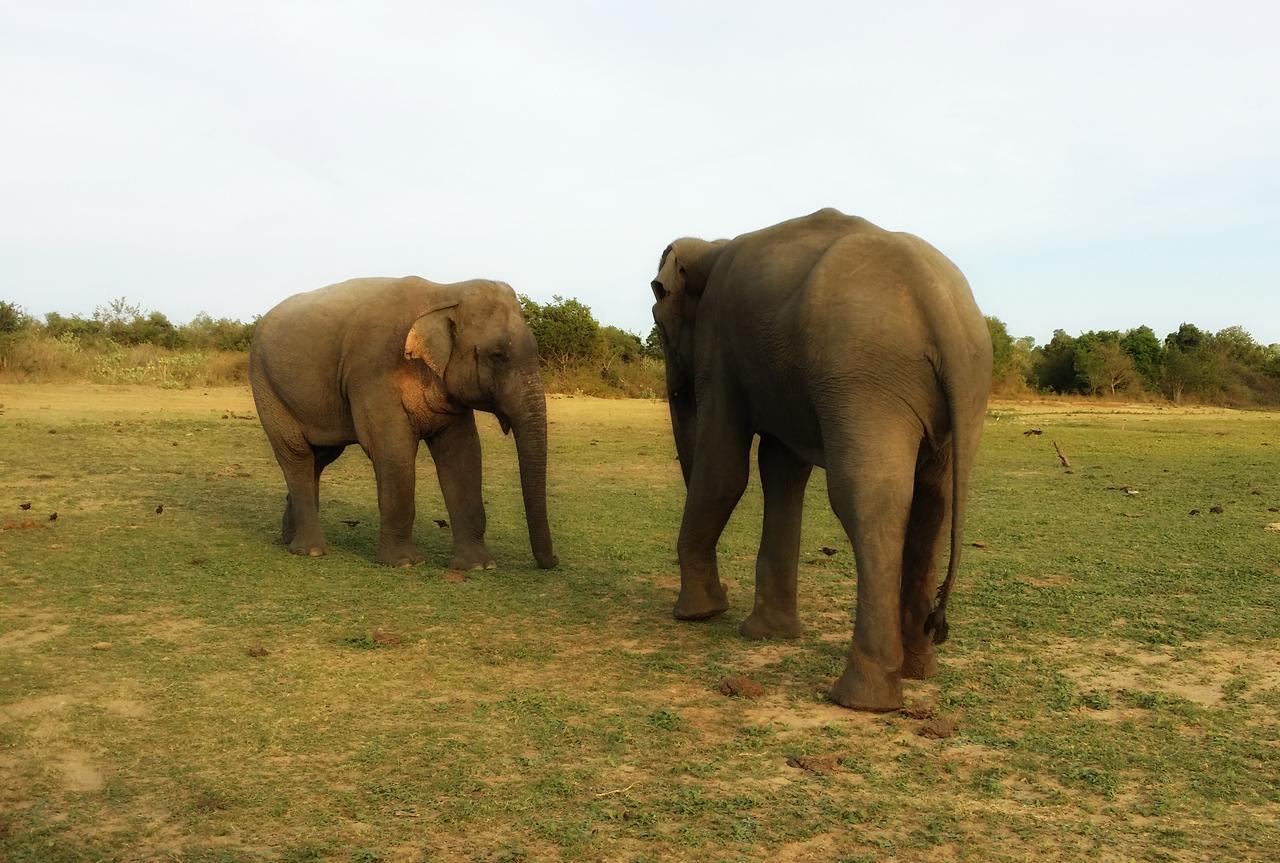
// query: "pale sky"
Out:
[1087,165]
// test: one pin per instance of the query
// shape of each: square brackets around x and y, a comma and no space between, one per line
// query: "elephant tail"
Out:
[965,437]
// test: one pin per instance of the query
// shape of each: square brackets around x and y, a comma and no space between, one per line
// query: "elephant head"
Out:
[477,343]
[683,272]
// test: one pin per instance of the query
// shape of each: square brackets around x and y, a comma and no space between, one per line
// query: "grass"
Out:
[1111,677]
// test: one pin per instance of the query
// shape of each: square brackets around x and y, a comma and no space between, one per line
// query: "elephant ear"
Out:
[683,269]
[430,339]
[671,275]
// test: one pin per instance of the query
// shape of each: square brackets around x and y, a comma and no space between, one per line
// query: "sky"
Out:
[1087,165]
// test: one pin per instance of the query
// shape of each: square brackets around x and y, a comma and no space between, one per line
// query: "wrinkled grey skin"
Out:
[845,346]
[386,363]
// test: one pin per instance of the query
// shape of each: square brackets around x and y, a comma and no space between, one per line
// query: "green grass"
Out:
[1112,672]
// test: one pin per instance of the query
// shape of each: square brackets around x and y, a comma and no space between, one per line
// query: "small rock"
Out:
[1273,509]
[937,729]
[257,651]
[101,645]
[1216,510]
[159,509]
[385,637]
[1194,512]
[53,516]
[26,505]
[441,523]
[828,550]
[741,687]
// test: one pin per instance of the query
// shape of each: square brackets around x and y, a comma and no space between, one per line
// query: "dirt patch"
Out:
[36,706]
[741,687]
[1048,579]
[820,764]
[767,655]
[124,707]
[175,629]
[23,638]
[939,728]
[1209,675]
[78,772]
[801,716]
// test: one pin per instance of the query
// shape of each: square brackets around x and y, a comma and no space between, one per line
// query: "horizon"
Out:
[1102,168]
[182,322]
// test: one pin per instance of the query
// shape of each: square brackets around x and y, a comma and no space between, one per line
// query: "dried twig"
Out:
[1061,455]
[617,790]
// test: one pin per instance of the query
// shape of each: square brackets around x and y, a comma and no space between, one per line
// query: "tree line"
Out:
[580,354]
[1190,364]
[121,322]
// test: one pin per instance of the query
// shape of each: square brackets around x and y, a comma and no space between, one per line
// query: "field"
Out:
[175,686]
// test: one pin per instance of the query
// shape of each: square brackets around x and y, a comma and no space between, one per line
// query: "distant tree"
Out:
[622,345]
[223,334]
[1011,358]
[118,312]
[1188,337]
[72,326]
[1105,366]
[1187,365]
[1143,347]
[13,318]
[565,330]
[653,344]
[1001,347]
[1055,364]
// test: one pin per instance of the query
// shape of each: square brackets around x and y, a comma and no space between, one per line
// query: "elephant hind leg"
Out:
[300,526]
[324,456]
[870,479]
[930,510]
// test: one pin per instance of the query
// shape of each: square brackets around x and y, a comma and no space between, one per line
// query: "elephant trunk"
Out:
[684,417]
[528,415]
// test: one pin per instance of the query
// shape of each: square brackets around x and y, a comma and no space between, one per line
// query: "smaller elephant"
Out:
[386,363]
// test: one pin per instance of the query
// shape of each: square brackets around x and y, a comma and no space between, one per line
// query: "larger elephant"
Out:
[387,363]
[845,346]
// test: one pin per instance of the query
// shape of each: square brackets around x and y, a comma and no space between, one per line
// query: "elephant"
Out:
[385,363]
[845,346]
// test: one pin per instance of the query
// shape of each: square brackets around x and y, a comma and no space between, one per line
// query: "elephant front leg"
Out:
[718,479]
[783,477]
[394,455]
[456,452]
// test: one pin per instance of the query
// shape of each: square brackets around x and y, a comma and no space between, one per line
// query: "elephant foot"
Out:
[763,624]
[478,557]
[308,548]
[919,666]
[401,554]
[700,603]
[547,561]
[876,692]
